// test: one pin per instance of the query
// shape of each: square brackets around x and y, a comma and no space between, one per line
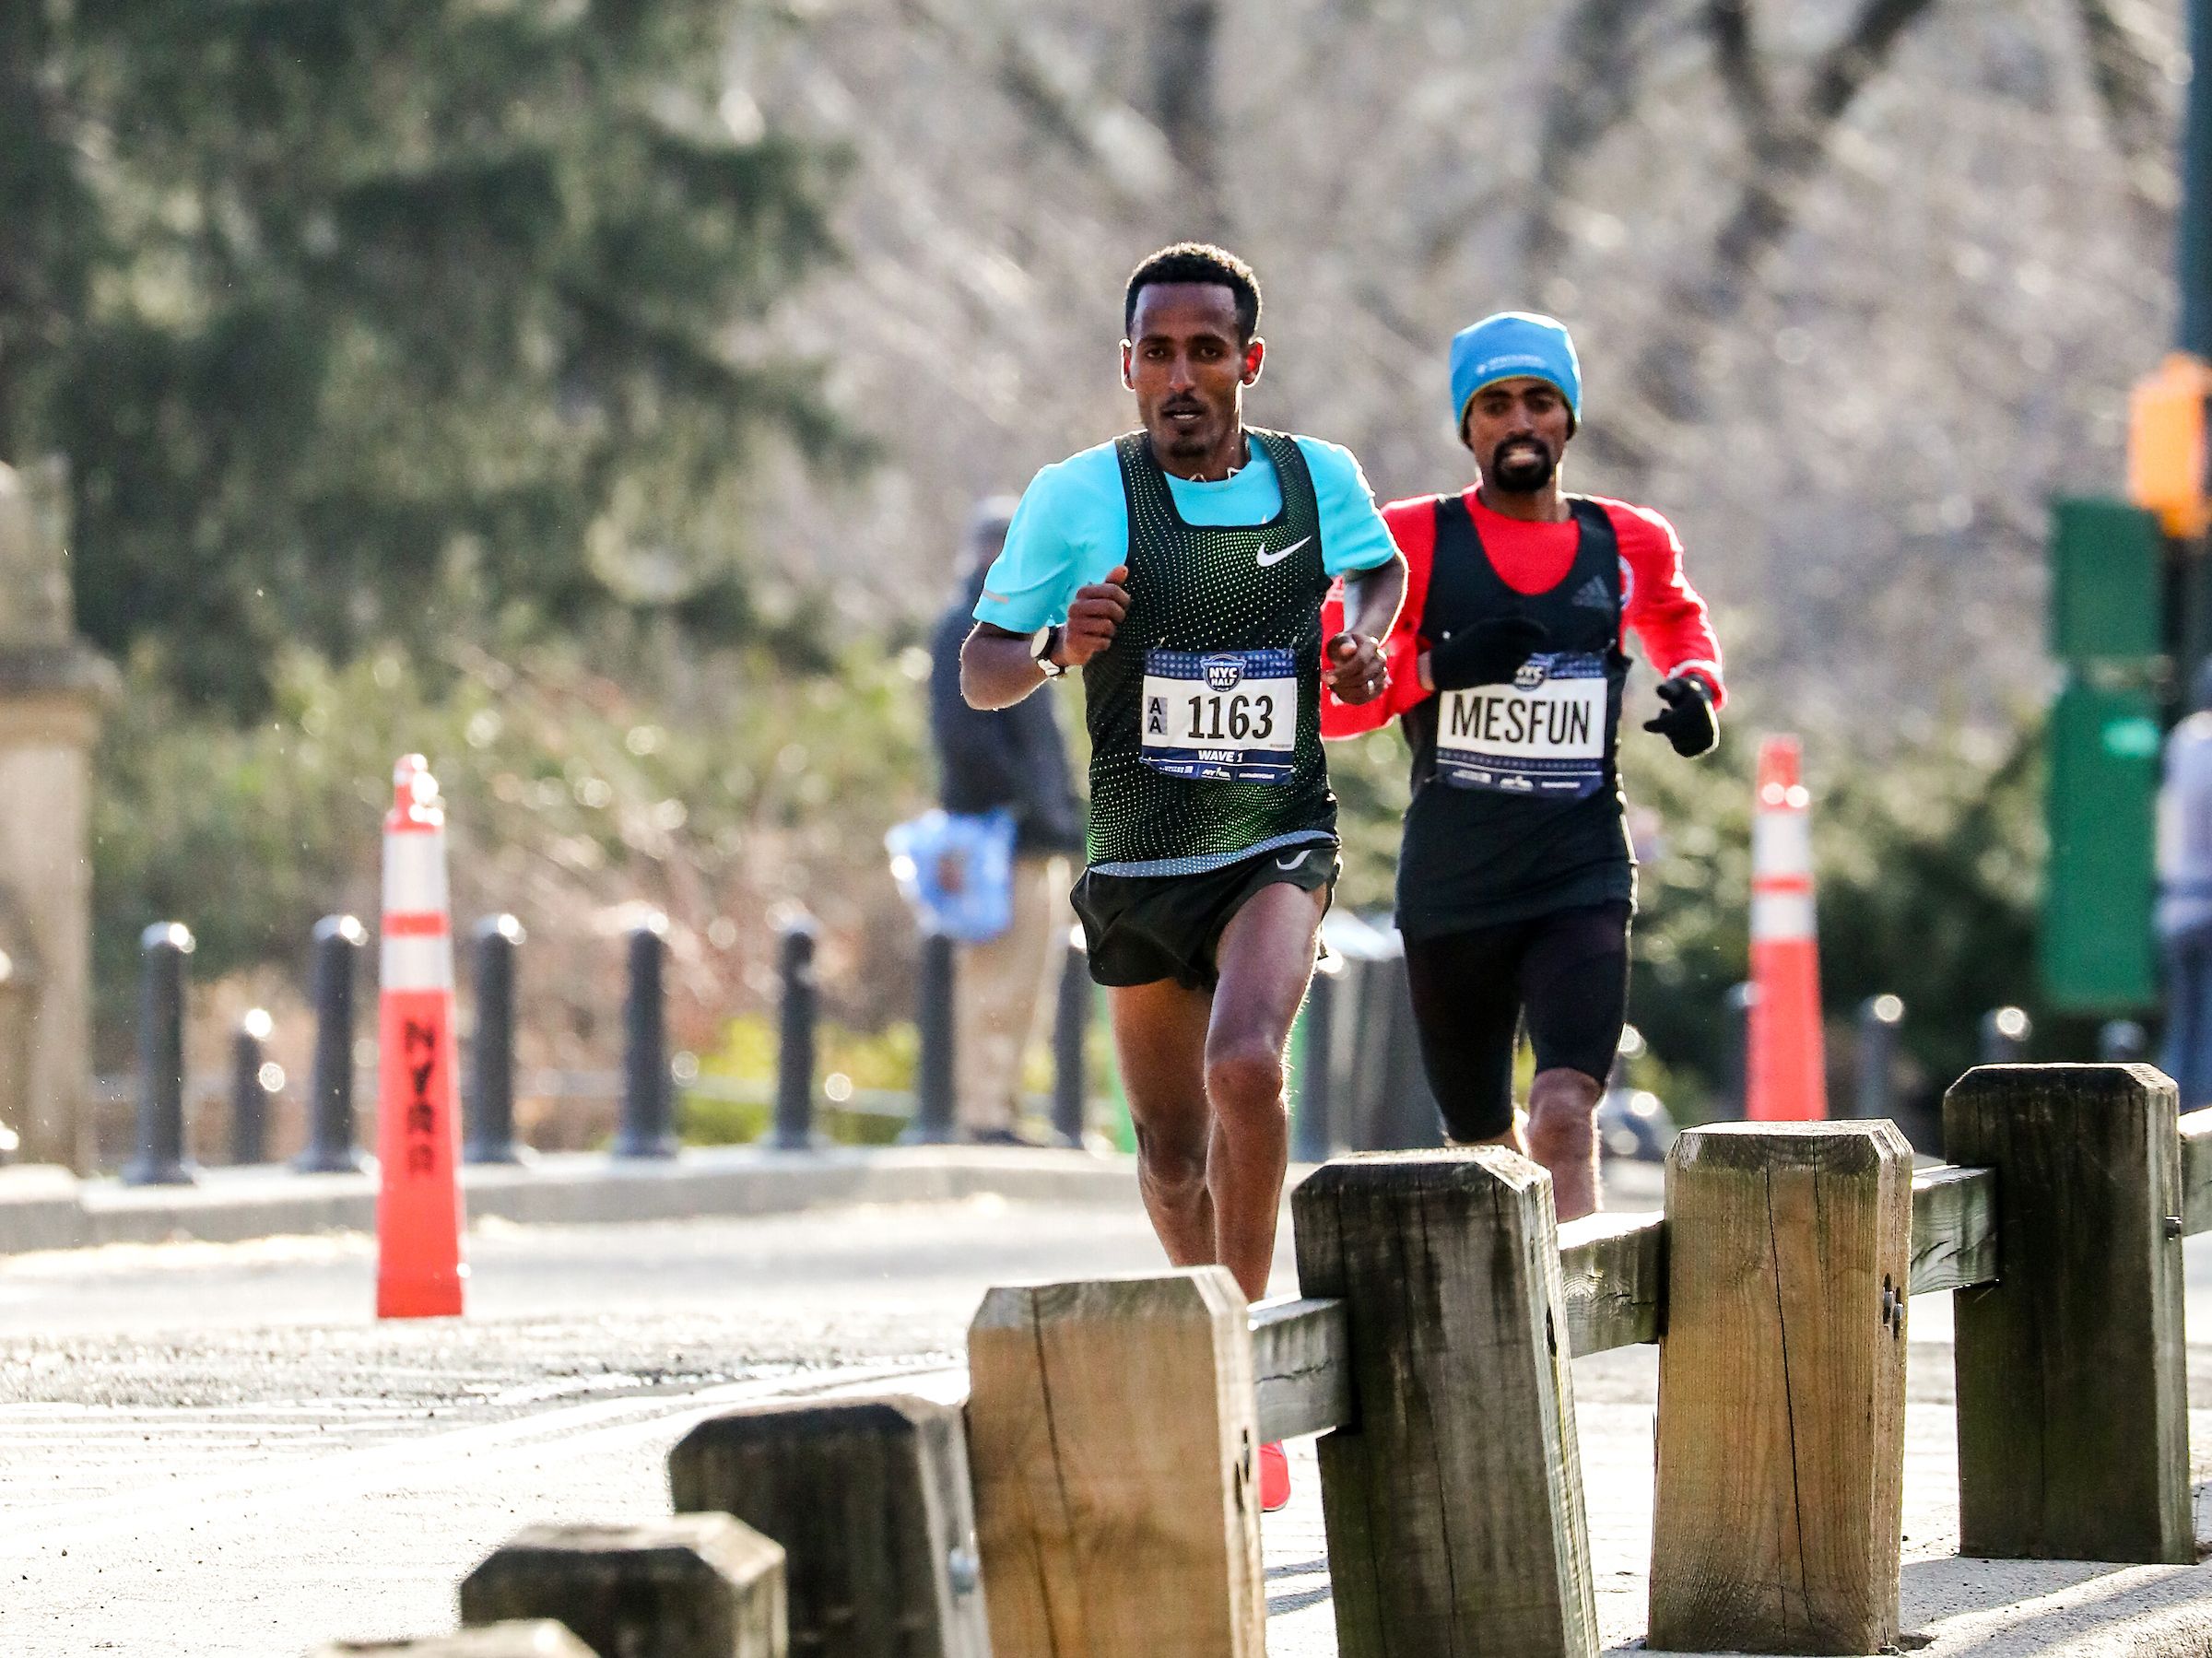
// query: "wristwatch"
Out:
[1042,646]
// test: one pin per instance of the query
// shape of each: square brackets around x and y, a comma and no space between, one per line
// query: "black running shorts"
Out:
[1141,928]
[1568,971]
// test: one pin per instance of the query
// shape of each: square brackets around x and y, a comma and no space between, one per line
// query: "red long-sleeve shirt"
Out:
[1658,605]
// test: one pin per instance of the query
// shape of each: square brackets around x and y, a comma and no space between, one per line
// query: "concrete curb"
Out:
[48,1208]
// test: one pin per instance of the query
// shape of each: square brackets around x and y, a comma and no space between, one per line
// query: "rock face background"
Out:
[1855,286]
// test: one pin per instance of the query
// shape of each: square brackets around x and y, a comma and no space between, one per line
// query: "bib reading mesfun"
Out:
[1543,735]
[1226,716]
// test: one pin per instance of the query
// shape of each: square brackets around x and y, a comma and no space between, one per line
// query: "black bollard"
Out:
[490,1116]
[2122,1041]
[1736,1049]
[160,1159]
[2004,1036]
[1311,1132]
[936,1077]
[793,1128]
[1071,1025]
[1880,1018]
[254,1084]
[330,1147]
[648,1127]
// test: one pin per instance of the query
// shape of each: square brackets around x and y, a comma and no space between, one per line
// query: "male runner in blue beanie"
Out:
[1515,879]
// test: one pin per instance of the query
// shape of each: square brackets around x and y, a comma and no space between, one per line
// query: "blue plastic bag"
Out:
[957,871]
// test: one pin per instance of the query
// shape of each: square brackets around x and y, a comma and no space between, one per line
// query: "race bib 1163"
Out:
[1544,734]
[1224,716]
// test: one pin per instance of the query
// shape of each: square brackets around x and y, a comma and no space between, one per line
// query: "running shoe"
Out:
[1275,1478]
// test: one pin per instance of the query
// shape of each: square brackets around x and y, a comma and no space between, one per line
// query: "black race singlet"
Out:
[1517,808]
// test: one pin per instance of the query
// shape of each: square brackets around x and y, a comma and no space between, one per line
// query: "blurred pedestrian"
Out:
[1008,759]
[2184,917]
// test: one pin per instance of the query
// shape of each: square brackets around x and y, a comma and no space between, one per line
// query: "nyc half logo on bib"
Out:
[1222,716]
[1544,734]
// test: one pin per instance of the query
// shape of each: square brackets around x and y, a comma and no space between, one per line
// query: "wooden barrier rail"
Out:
[1613,1277]
[1301,1367]
[1954,1229]
[1093,1496]
[2195,1130]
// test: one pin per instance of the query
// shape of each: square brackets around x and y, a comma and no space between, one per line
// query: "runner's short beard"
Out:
[1521,475]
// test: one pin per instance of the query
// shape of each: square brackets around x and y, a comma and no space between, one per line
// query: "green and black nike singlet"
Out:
[1205,713]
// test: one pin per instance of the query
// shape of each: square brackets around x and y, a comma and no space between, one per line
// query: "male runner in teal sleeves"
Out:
[1183,567]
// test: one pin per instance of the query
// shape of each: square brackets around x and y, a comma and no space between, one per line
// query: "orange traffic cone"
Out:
[1786,1073]
[419,1269]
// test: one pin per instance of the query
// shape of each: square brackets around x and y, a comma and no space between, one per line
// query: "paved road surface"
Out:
[216,1441]
[215,1449]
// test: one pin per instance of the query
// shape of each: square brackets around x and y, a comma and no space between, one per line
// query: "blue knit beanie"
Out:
[1508,346]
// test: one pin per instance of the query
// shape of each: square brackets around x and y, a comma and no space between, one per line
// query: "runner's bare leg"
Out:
[1160,1035]
[1265,958]
[1205,1087]
[1562,1136]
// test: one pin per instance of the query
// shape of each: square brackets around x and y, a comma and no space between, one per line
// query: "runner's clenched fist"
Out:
[1092,617]
[1357,673]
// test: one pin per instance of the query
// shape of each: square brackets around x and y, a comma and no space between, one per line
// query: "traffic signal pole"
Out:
[2193,261]
[2131,625]
[2192,588]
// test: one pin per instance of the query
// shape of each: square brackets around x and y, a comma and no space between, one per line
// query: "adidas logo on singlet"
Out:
[1592,595]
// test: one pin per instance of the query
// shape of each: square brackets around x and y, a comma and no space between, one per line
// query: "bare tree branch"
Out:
[1742,77]
[1594,90]
[1180,40]
[2125,69]
[1769,203]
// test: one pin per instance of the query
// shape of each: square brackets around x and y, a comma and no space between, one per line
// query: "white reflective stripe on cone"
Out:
[414,871]
[1781,844]
[415,964]
[1781,915]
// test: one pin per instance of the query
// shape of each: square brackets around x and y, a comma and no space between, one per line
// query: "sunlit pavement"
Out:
[216,1449]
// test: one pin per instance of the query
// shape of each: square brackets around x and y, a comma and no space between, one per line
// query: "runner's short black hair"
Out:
[1197,262]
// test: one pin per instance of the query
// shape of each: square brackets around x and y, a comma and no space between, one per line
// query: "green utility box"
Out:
[2097,956]
[2105,565]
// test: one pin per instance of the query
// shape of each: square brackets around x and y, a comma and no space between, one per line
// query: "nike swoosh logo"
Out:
[1293,863]
[1267,557]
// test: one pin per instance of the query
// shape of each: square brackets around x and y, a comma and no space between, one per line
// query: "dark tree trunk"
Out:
[1182,37]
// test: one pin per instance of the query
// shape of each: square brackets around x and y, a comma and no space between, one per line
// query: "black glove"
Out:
[1489,653]
[1689,722]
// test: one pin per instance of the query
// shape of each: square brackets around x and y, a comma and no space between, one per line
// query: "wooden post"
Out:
[697,1586]
[1782,1388]
[870,1500]
[533,1637]
[2072,1409]
[1110,1430]
[1455,1503]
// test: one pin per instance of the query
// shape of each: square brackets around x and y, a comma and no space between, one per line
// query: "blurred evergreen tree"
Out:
[365,320]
